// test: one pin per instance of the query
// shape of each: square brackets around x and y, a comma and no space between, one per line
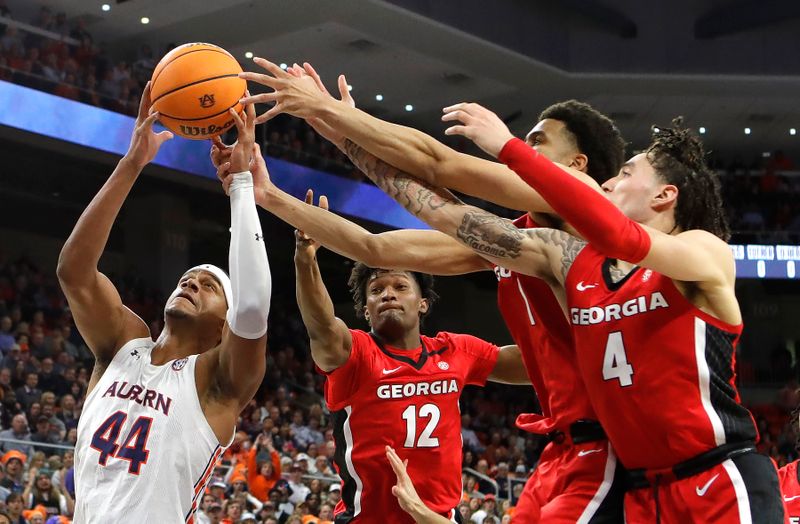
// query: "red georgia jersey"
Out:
[407,399]
[659,371]
[790,489]
[538,326]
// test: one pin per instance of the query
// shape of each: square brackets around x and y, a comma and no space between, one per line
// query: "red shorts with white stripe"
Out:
[573,483]
[743,489]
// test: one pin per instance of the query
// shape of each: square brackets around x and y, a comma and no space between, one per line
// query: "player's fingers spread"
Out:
[163,136]
[309,69]
[458,115]
[144,103]
[261,98]
[457,130]
[323,202]
[147,125]
[272,113]
[272,67]
[344,91]
[309,196]
[237,119]
[454,107]
[258,78]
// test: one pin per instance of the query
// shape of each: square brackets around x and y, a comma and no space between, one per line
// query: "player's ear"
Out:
[579,162]
[423,306]
[666,197]
[366,313]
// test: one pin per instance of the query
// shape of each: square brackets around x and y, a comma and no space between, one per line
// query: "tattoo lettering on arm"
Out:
[416,195]
[491,235]
[568,245]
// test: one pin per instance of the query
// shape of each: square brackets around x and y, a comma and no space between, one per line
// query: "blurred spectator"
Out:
[18,431]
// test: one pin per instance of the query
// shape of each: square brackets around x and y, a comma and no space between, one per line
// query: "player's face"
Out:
[199,294]
[550,138]
[638,191]
[394,303]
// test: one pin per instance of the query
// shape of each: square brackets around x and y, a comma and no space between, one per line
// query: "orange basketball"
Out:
[193,87]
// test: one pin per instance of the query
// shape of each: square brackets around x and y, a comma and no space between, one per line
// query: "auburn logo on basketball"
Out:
[206,100]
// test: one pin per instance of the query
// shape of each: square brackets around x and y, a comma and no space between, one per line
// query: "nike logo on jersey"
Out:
[390,371]
[582,287]
[702,491]
[584,452]
[789,499]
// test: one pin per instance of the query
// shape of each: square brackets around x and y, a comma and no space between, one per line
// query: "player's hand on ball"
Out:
[145,143]
[305,248]
[245,139]
[298,97]
[320,126]
[479,125]
[220,157]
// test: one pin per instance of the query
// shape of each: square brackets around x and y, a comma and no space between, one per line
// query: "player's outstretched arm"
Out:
[509,368]
[104,322]
[409,149]
[407,496]
[412,250]
[329,337]
[690,256]
[541,252]
[242,354]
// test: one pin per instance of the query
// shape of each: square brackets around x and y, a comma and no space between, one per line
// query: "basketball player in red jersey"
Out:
[574,479]
[656,341]
[789,477]
[392,386]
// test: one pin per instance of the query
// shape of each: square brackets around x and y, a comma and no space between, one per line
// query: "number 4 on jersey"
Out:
[105,438]
[615,361]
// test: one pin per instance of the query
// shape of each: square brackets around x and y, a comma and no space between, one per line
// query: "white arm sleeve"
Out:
[251,282]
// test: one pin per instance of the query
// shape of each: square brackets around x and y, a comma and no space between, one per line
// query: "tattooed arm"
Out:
[545,253]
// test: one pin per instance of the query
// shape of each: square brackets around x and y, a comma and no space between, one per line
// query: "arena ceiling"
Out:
[725,64]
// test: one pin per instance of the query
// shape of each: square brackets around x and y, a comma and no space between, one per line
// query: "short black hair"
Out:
[677,156]
[594,134]
[362,274]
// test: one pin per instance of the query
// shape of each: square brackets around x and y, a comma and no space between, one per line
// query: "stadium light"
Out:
[379,98]
[145,20]
[747,131]
[105,7]
[702,130]
[248,54]
[409,107]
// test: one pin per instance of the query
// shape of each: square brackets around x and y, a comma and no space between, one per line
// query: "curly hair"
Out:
[678,158]
[362,274]
[594,134]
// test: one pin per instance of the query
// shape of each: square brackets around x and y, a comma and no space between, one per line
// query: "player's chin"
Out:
[175,311]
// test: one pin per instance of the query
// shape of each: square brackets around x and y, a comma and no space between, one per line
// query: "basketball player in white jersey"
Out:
[158,414]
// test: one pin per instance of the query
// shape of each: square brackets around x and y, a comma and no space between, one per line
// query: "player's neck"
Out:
[406,340]
[180,341]
[664,222]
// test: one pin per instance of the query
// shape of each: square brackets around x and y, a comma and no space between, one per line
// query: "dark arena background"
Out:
[72,73]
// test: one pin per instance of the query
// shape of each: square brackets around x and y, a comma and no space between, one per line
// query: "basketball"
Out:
[193,87]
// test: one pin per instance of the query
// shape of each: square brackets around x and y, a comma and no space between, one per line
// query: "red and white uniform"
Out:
[571,482]
[661,374]
[407,399]
[790,489]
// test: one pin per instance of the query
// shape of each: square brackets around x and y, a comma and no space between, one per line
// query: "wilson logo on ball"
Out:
[191,131]
[206,100]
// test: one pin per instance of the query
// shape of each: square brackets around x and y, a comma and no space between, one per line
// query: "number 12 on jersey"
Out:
[426,438]
[133,448]
[615,361]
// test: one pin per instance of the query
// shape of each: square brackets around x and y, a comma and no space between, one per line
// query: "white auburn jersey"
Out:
[145,450]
